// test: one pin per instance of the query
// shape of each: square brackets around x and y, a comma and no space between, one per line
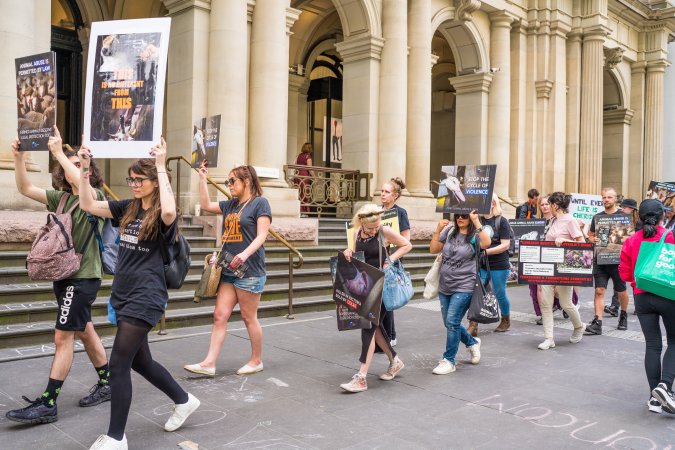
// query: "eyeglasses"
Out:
[230,181]
[138,182]
[462,216]
[370,214]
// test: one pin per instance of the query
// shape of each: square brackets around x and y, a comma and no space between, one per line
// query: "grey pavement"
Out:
[589,395]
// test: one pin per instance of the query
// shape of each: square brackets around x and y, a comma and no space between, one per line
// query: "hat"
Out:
[651,208]
[629,203]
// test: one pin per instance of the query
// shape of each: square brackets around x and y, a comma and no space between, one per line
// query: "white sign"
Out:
[585,206]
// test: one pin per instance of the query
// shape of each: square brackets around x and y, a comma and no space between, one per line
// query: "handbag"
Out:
[484,307]
[655,268]
[208,284]
[398,288]
[432,279]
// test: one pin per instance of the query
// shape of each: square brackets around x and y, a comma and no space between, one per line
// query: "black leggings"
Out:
[368,334]
[131,351]
[650,308]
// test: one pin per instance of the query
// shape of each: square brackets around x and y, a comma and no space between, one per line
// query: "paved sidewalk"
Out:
[589,395]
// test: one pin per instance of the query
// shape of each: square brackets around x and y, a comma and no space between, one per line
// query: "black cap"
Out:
[629,203]
[651,208]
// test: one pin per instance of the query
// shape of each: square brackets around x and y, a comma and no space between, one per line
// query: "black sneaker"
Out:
[665,396]
[654,406]
[99,393]
[612,310]
[623,321]
[595,327]
[37,412]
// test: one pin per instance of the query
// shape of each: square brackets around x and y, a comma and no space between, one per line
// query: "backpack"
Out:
[512,237]
[52,256]
[176,269]
[108,243]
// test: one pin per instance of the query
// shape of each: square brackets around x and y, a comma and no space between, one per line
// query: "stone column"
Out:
[471,98]
[554,167]
[297,116]
[590,144]
[636,182]
[616,135]
[573,111]
[268,87]
[391,143]
[531,148]
[517,183]
[653,150]
[499,109]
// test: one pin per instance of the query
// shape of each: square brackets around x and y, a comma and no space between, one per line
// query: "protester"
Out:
[246,223]
[139,294]
[371,237]
[652,308]
[630,207]
[304,183]
[457,277]
[562,228]
[669,220]
[528,210]
[391,191]
[602,273]
[74,295]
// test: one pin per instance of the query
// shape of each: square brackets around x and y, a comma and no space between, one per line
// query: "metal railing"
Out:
[324,191]
[291,250]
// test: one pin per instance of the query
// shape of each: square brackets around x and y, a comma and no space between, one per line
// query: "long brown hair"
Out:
[150,224]
[248,173]
[59,176]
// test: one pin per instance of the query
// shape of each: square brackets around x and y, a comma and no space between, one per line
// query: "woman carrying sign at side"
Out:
[562,228]
[370,236]
[457,277]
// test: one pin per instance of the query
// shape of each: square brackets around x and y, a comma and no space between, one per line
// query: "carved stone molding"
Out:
[543,88]
[613,56]
[465,9]
[362,47]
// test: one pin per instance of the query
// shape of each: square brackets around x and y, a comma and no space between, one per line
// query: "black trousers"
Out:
[650,308]
[368,334]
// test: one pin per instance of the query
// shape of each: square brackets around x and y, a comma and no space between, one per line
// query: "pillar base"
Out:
[420,208]
[13,200]
[283,201]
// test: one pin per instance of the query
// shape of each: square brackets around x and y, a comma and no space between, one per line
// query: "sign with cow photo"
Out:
[124,97]
[36,99]
[205,138]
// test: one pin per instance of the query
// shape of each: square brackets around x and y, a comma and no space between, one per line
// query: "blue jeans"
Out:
[499,278]
[453,309]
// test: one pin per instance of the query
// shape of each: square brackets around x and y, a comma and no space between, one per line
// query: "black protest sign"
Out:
[527,230]
[358,286]
[542,262]
[463,189]
[36,99]
[347,319]
[663,192]
[612,230]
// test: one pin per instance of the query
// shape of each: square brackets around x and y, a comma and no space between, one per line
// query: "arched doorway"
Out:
[615,133]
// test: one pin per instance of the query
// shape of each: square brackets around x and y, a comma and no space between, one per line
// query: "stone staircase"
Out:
[28,309]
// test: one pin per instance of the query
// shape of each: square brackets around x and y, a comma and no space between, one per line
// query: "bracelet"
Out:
[478,230]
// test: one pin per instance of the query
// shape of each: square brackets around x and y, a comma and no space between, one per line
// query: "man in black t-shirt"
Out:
[602,273]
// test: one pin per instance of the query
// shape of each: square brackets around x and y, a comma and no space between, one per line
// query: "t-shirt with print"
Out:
[458,266]
[565,227]
[90,265]
[139,288]
[239,232]
[601,214]
[403,222]
[499,261]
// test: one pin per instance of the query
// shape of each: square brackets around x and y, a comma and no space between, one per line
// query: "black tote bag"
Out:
[484,307]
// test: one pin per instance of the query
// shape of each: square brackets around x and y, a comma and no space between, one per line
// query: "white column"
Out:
[391,148]
[268,86]
[471,99]
[499,110]
[517,182]
[615,141]
[637,132]
[653,155]
[297,116]
[573,111]
[554,169]
[418,134]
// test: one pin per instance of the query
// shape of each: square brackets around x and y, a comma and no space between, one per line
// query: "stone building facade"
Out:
[560,94]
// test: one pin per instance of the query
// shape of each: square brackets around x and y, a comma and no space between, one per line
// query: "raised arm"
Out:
[23,183]
[166,200]
[483,236]
[87,203]
[404,246]
[435,246]
[204,201]
[72,172]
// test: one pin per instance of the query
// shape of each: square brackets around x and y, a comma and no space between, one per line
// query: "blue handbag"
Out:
[398,288]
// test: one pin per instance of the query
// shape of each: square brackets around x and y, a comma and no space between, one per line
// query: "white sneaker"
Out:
[654,405]
[444,367]
[105,442]
[198,368]
[182,412]
[577,335]
[248,370]
[393,342]
[474,350]
[548,343]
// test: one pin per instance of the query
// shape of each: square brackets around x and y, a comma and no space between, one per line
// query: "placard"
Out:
[585,206]
[388,218]
[542,262]
[205,139]
[347,319]
[662,191]
[358,286]
[612,231]
[36,100]
[124,96]
[463,189]
[527,230]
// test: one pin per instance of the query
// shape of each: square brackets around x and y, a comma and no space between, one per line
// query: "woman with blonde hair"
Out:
[371,237]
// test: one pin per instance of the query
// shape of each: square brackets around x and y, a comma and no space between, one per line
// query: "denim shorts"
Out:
[254,285]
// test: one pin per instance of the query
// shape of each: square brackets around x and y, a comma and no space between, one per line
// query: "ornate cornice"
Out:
[362,47]
[465,9]
[176,6]
[475,82]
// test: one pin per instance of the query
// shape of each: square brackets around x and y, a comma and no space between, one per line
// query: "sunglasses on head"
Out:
[370,214]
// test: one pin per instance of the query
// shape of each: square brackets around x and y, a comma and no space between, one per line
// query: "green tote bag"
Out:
[655,268]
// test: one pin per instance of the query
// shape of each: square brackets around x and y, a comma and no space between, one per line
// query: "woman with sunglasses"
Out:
[371,237]
[456,282]
[246,223]
[139,294]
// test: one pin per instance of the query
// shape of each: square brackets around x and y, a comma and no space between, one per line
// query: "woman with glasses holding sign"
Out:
[371,237]
[246,223]
[139,293]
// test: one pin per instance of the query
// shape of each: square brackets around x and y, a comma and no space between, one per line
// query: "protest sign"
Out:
[347,319]
[585,206]
[663,192]
[205,139]
[542,262]
[527,230]
[36,99]
[611,230]
[388,218]
[358,286]
[124,96]
[463,189]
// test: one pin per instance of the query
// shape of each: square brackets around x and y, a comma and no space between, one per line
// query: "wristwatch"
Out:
[478,230]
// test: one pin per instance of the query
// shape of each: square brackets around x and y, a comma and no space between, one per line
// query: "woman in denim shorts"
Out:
[246,222]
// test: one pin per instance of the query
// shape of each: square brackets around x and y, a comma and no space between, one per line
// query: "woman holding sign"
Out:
[562,228]
[371,239]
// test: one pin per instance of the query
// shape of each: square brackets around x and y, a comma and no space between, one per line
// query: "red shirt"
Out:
[629,254]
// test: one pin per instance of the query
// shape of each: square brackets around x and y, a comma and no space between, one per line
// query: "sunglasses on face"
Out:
[138,182]
[462,216]
[230,181]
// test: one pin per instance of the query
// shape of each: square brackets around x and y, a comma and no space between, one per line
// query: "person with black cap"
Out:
[651,308]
